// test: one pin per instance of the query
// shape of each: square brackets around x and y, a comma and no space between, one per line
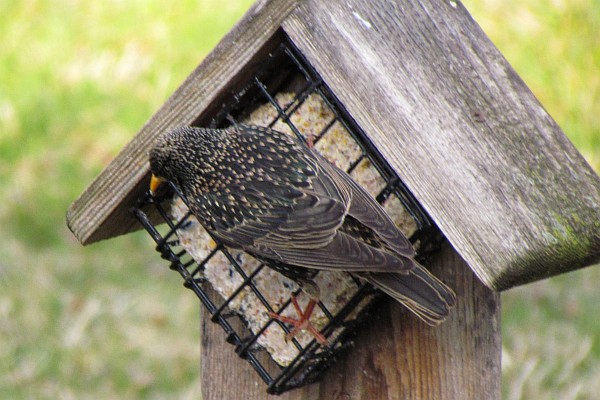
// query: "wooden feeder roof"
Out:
[446,110]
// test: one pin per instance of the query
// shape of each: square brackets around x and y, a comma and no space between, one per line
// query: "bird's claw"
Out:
[302,323]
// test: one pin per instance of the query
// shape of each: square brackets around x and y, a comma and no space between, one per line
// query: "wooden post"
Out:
[395,357]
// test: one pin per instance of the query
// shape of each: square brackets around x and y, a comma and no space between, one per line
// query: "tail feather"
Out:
[420,291]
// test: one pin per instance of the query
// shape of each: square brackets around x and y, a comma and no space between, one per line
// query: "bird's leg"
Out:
[303,321]
[310,141]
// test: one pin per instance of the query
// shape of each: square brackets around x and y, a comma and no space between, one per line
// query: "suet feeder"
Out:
[418,105]
[286,94]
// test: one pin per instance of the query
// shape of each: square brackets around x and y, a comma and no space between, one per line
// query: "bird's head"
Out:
[167,157]
[180,156]
[161,162]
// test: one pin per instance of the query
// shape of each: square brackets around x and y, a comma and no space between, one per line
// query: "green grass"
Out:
[110,320]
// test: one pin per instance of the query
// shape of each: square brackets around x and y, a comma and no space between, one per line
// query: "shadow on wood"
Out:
[395,357]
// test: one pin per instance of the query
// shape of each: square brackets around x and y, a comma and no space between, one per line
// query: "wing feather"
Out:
[369,212]
[343,252]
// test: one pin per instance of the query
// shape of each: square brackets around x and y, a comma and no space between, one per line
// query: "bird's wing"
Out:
[311,237]
[264,214]
[343,252]
[369,212]
[300,226]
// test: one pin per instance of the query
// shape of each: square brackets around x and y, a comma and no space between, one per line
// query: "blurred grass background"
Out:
[78,79]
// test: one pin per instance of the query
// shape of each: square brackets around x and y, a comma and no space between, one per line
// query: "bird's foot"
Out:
[302,323]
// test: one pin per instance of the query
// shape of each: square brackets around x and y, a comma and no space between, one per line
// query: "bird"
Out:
[271,195]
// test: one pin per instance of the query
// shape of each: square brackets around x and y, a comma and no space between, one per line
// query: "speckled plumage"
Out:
[267,193]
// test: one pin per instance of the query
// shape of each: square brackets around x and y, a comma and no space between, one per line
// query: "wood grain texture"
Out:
[461,129]
[102,210]
[395,357]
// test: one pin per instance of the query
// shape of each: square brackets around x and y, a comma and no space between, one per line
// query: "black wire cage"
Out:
[285,93]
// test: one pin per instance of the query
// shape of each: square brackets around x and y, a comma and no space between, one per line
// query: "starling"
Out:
[267,193]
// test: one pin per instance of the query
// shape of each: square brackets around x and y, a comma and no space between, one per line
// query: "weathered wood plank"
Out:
[461,129]
[395,357]
[102,211]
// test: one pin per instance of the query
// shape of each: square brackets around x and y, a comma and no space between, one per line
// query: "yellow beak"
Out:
[155,182]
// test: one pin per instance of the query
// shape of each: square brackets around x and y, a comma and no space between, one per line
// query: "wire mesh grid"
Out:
[284,94]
